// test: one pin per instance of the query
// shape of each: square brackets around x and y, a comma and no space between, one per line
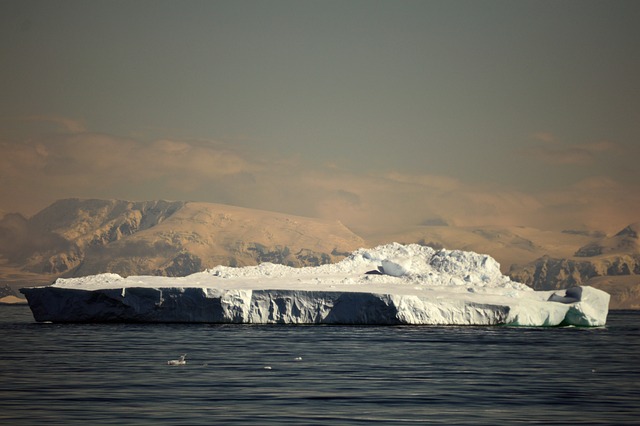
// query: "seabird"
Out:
[180,361]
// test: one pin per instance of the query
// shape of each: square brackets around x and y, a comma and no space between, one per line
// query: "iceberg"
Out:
[392,284]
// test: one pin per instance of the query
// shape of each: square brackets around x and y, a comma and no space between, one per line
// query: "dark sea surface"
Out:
[117,374]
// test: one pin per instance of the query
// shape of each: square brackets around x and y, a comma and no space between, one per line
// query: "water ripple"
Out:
[106,374]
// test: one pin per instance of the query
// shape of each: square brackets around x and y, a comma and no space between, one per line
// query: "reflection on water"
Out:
[118,374]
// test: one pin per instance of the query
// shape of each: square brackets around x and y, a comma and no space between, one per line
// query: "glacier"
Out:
[392,284]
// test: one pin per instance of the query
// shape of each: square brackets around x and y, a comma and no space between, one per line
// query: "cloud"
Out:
[63,123]
[597,202]
[544,137]
[444,183]
[601,146]
[99,165]
[386,202]
[566,156]
[36,171]
[551,152]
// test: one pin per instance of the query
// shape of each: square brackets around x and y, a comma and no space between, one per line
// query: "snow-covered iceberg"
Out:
[390,284]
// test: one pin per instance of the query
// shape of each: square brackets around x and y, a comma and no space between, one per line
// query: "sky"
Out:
[384,115]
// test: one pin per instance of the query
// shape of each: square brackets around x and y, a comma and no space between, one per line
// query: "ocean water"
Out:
[117,374]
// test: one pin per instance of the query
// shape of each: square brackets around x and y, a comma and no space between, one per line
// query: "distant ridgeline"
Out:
[75,237]
[618,255]
[6,291]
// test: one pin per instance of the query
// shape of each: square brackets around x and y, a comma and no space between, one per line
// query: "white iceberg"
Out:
[391,284]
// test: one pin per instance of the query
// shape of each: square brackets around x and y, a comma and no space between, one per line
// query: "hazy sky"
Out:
[383,114]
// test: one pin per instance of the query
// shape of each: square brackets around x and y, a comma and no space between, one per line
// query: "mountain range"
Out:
[76,237]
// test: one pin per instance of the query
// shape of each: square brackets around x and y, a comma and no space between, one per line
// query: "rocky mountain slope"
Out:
[76,237]
[610,263]
[8,296]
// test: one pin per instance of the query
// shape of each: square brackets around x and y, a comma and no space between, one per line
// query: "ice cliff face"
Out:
[391,284]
